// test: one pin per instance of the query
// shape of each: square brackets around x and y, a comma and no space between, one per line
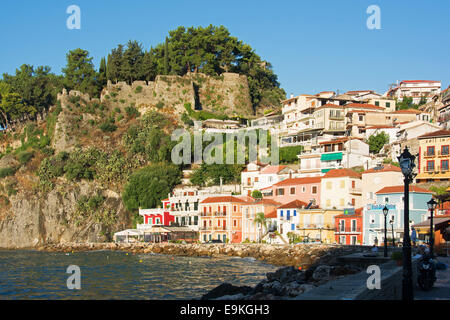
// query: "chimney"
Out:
[292,95]
[290,174]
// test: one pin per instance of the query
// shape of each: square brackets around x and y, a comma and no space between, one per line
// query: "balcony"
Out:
[207,228]
[220,228]
[356,190]
[220,214]
[429,154]
[443,154]
[341,230]
[205,214]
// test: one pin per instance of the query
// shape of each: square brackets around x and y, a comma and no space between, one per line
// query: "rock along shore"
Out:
[301,255]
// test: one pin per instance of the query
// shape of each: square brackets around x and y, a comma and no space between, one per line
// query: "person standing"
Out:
[375,241]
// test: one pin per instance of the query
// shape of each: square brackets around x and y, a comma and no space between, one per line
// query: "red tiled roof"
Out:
[223,199]
[337,173]
[293,205]
[386,168]
[271,215]
[408,111]
[412,81]
[439,133]
[165,200]
[272,169]
[296,181]
[358,213]
[400,189]
[358,91]
[381,127]
[364,106]
[264,201]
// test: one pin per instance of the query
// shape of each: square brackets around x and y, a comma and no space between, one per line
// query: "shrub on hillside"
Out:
[108,125]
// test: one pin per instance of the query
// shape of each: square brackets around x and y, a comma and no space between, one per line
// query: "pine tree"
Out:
[166,56]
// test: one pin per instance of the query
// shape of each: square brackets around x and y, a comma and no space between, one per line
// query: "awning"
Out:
[331,156]
[325,170]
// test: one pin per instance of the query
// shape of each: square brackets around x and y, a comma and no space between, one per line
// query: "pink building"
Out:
[305,189]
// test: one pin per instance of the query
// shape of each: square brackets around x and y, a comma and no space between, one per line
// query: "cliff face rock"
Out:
[33,221]
[228,94]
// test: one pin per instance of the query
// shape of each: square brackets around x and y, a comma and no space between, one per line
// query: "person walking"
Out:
[375,241]
[414,236]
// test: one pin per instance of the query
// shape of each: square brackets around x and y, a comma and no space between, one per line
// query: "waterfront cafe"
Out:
[441,227]
[156,234]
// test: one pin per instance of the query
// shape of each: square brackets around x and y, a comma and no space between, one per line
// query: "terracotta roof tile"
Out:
[223,199]
[385,168]
[272,169]
[293,205]
[400,189]
[439,133]
[337,173]
[271,215]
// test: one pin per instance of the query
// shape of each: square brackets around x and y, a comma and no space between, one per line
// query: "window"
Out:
[353,202]
[256,179]
[353,225]
[235,223]
[329,185]
[444,150]
[386,199]
[314,190]
[292,226]
[288,214]
[388,105]
[361,118]
[430,151]
[293,190]
[218,223]
[234,208]
[430,165]
[353,184]
[295,213]
[342,184]
[377,103]
[280,192]
[444,165]
[281,213]
[303,189]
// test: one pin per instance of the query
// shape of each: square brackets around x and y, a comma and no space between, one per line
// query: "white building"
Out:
[415,89]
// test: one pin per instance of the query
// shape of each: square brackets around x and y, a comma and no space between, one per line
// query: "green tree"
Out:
[149,185]
[376,142]
[102,76]
[80,73]
[256,194]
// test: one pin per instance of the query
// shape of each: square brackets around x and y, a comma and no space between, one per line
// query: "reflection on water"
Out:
[118,275]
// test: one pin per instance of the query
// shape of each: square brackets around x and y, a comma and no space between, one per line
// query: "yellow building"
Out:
[434,157]
[317,224]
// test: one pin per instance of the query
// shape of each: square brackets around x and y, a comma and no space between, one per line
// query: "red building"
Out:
[349,227]
[159,216]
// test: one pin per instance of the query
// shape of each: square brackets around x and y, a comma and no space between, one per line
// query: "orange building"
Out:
[434,156]
[221,218]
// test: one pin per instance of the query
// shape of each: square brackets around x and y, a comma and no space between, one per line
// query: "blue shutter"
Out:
[281,213]
[292,226]
[288,215]
[295,213]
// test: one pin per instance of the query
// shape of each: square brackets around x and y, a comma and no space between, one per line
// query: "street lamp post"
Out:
[392,228]
[431,205]
[406,161]
[385,212]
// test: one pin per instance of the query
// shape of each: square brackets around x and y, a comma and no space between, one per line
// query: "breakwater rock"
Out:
[285,283]
[300,255]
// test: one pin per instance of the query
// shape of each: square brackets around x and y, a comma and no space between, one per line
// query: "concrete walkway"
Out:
[441,288]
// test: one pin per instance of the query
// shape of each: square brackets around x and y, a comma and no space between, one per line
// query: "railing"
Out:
[205,214]
[355,190]
[443,154]
[207,228]
[220,214]
[223,228]
[429,154]
[436,169]
[348,230]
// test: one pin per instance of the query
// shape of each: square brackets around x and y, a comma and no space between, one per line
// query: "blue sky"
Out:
[312,45]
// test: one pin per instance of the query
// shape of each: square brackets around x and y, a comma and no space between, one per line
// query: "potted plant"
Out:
[397,257]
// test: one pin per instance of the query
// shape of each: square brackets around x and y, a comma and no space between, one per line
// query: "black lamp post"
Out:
[385,212]
[406,160]
[392,227]
[432,206]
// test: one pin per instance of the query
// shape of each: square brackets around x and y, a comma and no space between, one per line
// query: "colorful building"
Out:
[377,178]
[349,227]
[392,197]
[221,218]
[252,231]
[305,189]
[341,189]
[159,216]
[434,157]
